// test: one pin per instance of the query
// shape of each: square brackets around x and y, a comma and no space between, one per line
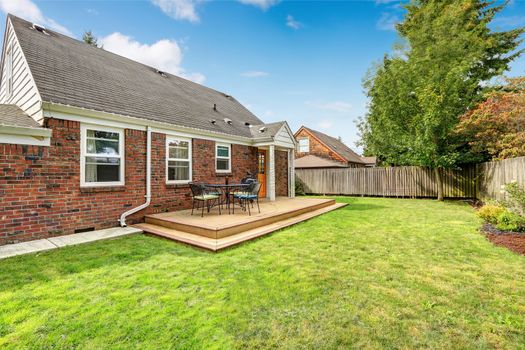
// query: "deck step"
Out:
[214,244]
[235,226]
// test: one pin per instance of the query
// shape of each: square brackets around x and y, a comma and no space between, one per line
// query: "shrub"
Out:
[491,212]
[509,221]
[516,201]
[299,187]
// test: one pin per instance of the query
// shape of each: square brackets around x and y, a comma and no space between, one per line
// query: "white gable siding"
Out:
[25,94]
[284,139]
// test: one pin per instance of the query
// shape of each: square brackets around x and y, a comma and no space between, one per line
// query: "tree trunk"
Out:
[439,180]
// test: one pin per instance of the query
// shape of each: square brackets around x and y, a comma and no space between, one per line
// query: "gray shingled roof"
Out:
[71,72]
[271,129]
[337,146]
[11,115]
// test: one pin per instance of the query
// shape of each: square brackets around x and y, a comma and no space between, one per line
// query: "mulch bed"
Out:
[511,240]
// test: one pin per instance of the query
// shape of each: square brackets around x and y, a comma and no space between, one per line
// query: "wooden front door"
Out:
[261,171]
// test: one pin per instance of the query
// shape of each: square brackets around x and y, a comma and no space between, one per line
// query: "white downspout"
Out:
[148,181]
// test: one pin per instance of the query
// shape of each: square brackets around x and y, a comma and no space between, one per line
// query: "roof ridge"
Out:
[124,57]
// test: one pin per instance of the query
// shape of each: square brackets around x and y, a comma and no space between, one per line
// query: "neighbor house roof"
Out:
[335,145]
[311,161]
[70,72]
[12,115]
[369,160]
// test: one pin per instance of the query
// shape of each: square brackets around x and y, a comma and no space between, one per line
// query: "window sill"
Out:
[96,189]
[176,186]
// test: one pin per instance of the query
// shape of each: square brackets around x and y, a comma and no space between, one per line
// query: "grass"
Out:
[379,273]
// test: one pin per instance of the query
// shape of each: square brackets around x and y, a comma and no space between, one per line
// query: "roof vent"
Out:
[262,129]
[214,106]
[228,96]
[40,28]
[161,73]
[213,121]
[247,124]
[228,121]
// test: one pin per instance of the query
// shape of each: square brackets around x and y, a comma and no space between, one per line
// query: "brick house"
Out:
[88,138]
[318,150]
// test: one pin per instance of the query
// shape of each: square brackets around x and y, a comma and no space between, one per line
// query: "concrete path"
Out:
[41,245]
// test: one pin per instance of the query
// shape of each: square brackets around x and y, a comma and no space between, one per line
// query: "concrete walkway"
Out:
[41,245]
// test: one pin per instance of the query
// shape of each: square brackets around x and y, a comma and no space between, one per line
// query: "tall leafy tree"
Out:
[418,95]
[495,129]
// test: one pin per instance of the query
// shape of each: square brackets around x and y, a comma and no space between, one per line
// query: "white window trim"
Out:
[229,158]
[190,159]
[9,71]
[83,154]
[299,144]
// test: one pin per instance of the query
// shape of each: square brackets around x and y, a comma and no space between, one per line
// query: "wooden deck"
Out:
[215,232]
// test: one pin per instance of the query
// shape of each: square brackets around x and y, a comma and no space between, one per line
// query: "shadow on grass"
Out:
[19,271]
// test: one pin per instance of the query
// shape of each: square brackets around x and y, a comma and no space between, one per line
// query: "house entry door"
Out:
[261,171]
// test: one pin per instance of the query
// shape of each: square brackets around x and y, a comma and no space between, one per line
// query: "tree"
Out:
[495,129]
[418,95]
[89,38]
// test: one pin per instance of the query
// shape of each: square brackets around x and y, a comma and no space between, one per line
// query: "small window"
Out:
[304,145]
[102,154]
[223,158]
[9,71]
[178,160]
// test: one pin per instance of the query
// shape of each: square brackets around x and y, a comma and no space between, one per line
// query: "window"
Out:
[178,160]
[223,158]
[9,71]
[102,154]
[304,145]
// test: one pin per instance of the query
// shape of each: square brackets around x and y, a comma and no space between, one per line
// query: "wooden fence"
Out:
[493,175]
[483,181]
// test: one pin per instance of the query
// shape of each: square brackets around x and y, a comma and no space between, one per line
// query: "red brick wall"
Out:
[41,194]
[317,149]
[281,173]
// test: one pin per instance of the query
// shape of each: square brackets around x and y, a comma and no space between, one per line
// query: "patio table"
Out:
[228,188]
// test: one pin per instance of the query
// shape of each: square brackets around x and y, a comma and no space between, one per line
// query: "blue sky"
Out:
[300,61]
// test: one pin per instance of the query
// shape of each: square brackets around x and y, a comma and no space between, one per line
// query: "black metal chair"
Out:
[200,194]
[250,195]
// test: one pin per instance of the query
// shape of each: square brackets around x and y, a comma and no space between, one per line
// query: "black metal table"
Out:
[227,189]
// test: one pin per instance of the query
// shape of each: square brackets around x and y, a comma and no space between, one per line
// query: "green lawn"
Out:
[379,273]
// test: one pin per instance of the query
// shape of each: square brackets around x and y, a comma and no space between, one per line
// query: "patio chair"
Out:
[201,195]
[250,195]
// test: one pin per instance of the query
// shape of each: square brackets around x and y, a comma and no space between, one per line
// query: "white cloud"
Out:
[336,106]
[388,21]
[325,124]
[179,9]
[292,23]
[509,21]
[269,113]
[30,12]
[255,74]
[262,4]
[165,55]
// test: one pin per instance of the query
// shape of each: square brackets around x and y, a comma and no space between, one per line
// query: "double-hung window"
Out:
[304,145]
[9,71]
[223,158]
[102,156]
[178,160]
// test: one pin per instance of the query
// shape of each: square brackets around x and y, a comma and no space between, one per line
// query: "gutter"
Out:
[122,219]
